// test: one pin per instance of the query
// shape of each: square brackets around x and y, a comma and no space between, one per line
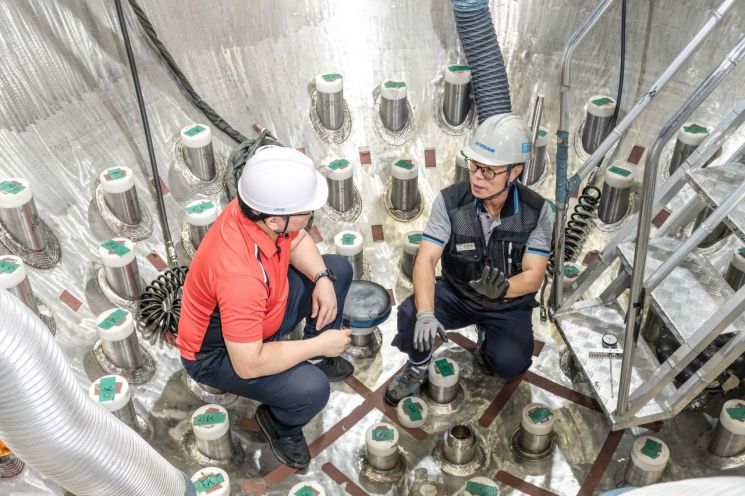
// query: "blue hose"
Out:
[490,85]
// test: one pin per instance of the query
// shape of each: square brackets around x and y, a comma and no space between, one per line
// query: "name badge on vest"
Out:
[459,247]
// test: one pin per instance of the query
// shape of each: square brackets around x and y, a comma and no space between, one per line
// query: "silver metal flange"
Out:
[203,394]
[111,295]
[393,137]
[372,474]
[461,128]
[40,259]
[401,215]
[524,455]
[134,232]
[368,350]
[140,375]
[187,242]
[350,215]
[480,459]
[208,188]
[235,462]
[436,408]
[329,135]
[46,316]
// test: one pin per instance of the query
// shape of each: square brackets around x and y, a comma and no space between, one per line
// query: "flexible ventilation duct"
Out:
[480,44]
[50,423]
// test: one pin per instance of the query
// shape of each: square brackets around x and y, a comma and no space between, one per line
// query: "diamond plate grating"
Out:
[692,292]
[713,184]
[583,330]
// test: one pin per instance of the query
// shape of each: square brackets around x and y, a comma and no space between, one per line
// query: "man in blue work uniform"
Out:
[493,236]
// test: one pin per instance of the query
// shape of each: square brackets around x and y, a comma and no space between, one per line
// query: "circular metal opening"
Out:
[461,432]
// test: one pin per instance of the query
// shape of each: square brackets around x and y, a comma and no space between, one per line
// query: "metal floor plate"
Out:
[692,292]
[583,330]
[713,184]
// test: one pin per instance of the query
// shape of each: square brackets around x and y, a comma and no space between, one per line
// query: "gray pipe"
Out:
[50,423]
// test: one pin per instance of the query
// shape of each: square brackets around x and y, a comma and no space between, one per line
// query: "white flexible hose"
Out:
[50,423]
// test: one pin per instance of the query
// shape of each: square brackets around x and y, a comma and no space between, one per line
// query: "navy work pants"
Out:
[507,346]
[296,395]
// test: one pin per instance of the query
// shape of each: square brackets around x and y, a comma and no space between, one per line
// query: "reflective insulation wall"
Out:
[67,111]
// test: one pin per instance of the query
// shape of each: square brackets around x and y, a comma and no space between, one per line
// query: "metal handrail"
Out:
[574,182]
[637,297]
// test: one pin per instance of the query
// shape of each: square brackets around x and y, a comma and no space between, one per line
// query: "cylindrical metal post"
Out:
[120,267]
[736,272]
[405,185]
[14,278]
[120,194]
[598,121]
[211,481]
[394,110]
[690,135]
[538,166]
[614,201]
[19,216]
[348,244]
[330,100]
[198,153]
[116,328]
[536,428]
[443,376]
[461,170]
[200,215]
[341,185]
[211,428]
[456,99]
[729,436]
[412,241]
[459,444]
[720,232]
[649,457]
[113,393]
[381,444]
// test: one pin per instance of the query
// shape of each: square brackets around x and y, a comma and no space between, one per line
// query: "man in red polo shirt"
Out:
[256,275]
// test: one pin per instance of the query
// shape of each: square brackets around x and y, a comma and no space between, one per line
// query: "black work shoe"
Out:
[405,384]
[291,450]
[336,369]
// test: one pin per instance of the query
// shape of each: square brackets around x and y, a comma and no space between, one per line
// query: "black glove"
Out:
[426,329]
[492,284]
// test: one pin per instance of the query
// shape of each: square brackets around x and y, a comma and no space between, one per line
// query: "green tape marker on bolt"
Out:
[113,319]
[338,164]
[200,207]
[11,187]
[459,68]
[8,267]
[741,251]
[444,367]
[404,164]
[394,84]
[115,247]
[412,410]
[194,131]
[116,173]
[107,388]
[382,434]
[695,129]
[542,133]
[209,482]
[737,413]
[348,239]
[651,448]
[209,418]
[480,489]
[571,271]
[305,491]
[619,171]
[602,101]
[415,238]
[539,415]
[331,77]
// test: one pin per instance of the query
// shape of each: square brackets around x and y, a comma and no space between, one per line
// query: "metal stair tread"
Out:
[714,183]
[582,329]
[689,295]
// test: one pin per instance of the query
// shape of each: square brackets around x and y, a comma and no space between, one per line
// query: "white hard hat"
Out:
[279,181]
[502,139]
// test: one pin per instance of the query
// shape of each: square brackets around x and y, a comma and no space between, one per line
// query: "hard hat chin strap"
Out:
[283,232]
[507,186]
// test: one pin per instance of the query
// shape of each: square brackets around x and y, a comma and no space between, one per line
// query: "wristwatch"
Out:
[325,273]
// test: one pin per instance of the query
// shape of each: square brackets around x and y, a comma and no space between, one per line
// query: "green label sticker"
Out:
[651,448]
[107,388]
[412,410]
[551,205]
[542,133]
[331,77]
[619,171]
[539,415]
[480,489]
[695,129]
[382,433]
[338,164]
[11,187]
[415,238]
[306,491]
[737,413]
[394,84]
[200,207]
[209,418]
[444,367]
[602,101]
[348,239]
[113,319]
[203,485]
[571,271]
[404,164]
[741,251]
[115,247]
[459,68]
[116,173]
[194,131]
[8,267]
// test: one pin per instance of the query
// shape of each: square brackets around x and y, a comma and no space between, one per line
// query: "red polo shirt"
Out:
[236,288]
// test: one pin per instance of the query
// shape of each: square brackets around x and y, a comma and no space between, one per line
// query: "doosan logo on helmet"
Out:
[485,147]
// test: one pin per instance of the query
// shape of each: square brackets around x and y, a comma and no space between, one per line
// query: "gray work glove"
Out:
[426,329]
[492,284]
